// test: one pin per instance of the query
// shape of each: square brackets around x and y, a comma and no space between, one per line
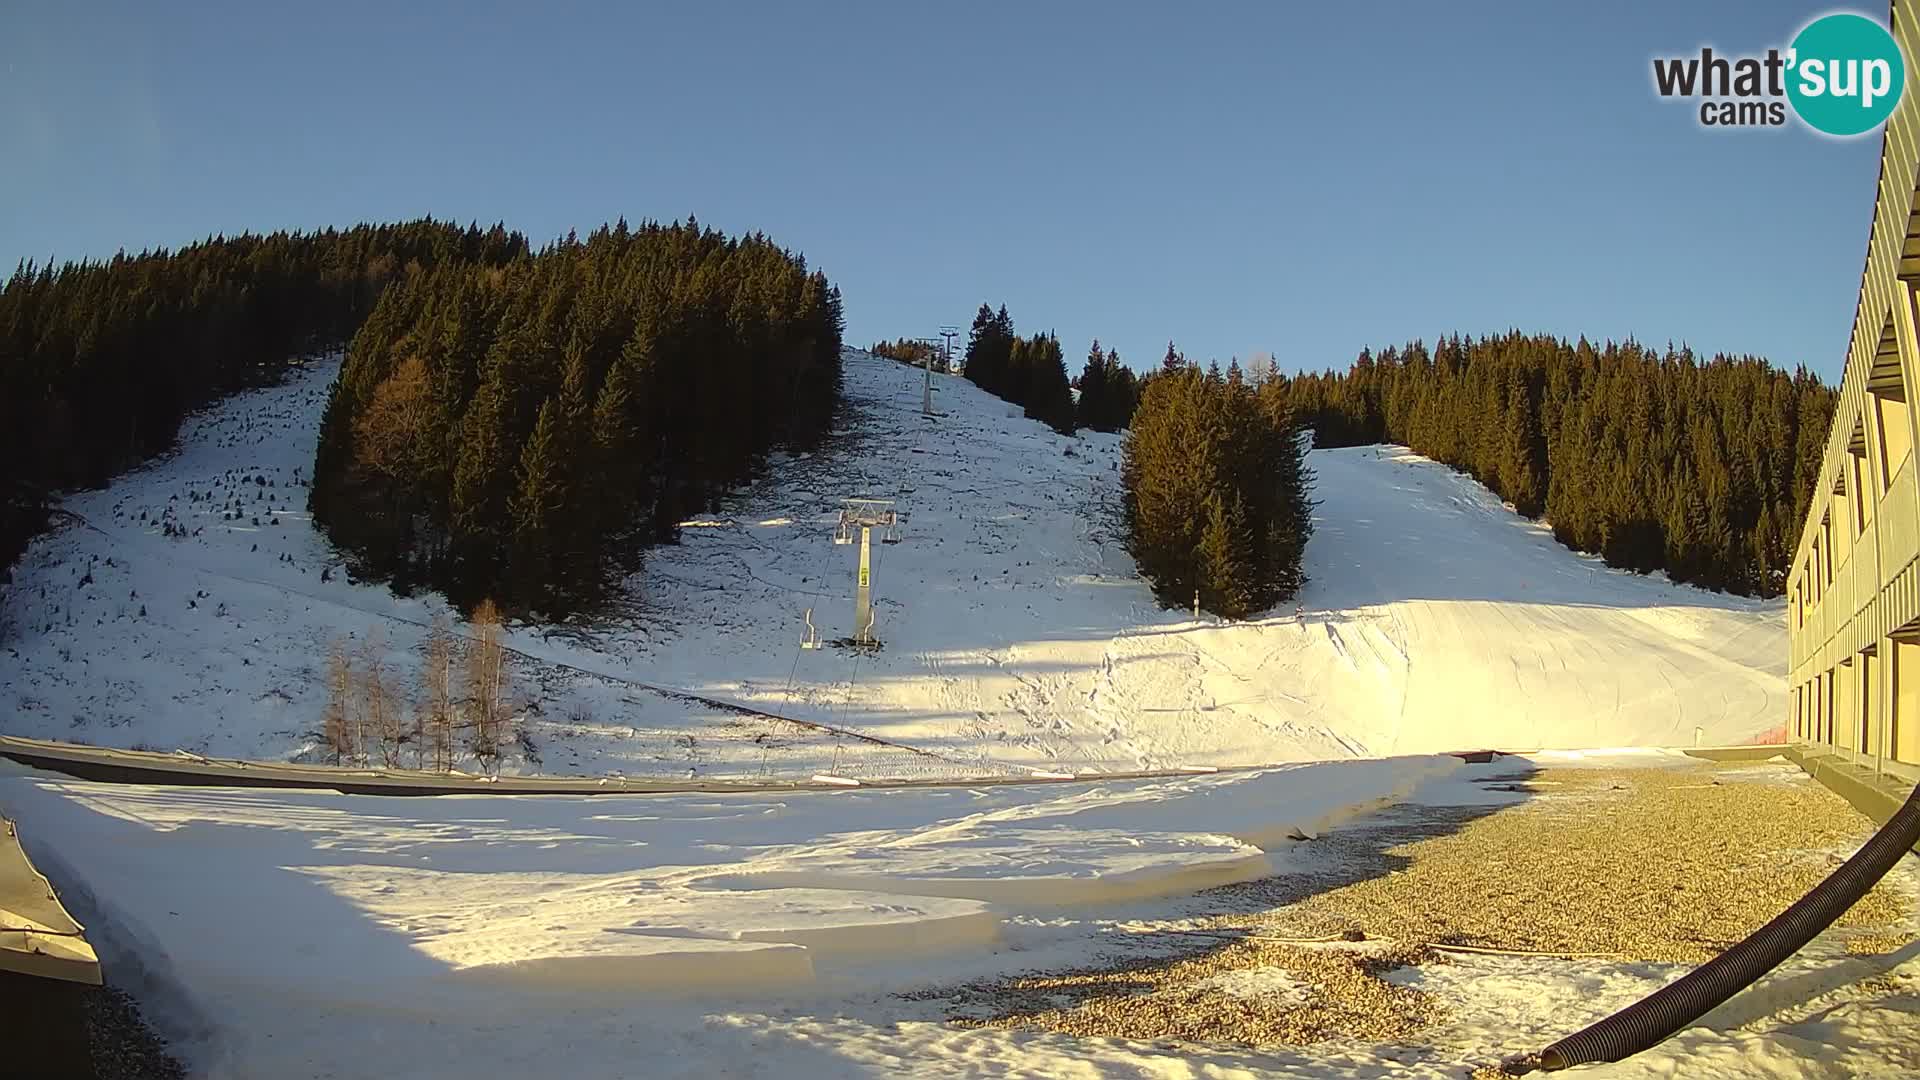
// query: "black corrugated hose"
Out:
[1653,1018]
[1665,1011]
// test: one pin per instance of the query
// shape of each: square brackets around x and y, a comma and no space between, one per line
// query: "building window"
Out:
[1887,389]
[1896,435]
[1827,703]
[1857,483]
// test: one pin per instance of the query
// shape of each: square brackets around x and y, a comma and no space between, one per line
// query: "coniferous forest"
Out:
[1655,460]
[522,431]
[100,361]
[488,390]
[1027,371]
[1216,491]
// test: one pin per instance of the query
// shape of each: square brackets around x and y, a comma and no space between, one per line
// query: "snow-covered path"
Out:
[1017,633]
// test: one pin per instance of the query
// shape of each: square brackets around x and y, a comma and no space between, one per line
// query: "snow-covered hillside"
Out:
[1017,633]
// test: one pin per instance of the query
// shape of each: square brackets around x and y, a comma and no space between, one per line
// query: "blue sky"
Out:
[1241,177]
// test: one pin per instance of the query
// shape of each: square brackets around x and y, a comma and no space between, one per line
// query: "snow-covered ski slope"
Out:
[1017,634]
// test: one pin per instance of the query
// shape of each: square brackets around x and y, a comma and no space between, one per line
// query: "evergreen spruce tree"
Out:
[539,505]
[1049,398]
[989,351]
[1216,495]
[1229,578]
[1095,407]
[1520,453]
[1286,523]
[1123,393]
[1016,378]
[615,454]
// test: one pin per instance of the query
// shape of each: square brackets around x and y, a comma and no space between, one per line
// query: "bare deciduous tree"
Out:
[486,681]
[336,726]
[380,712]
[436,707]
[1260,368]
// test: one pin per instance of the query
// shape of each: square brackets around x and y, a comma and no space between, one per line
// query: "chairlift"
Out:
[812,638]
[858,514]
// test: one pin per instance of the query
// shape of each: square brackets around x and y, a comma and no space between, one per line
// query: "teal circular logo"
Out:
[1845,74]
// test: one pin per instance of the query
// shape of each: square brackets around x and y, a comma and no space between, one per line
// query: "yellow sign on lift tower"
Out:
[865,514]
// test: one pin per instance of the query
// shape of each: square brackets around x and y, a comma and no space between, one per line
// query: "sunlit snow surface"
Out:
[1017,633]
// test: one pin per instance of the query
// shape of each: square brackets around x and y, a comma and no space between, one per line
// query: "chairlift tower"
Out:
[866,515]
[947,334]
[926,397]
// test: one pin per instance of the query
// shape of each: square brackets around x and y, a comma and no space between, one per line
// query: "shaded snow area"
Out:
[1017,633]
[803,935]
[279,933]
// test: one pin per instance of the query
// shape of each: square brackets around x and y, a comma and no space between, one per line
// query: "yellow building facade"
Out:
[1853,615]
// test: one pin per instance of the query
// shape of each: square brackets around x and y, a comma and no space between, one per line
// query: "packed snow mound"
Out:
[190,606]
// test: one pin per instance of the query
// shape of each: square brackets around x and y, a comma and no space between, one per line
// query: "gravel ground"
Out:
[1638,864]
[1667,864]
[1322,993]
[124,1048]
